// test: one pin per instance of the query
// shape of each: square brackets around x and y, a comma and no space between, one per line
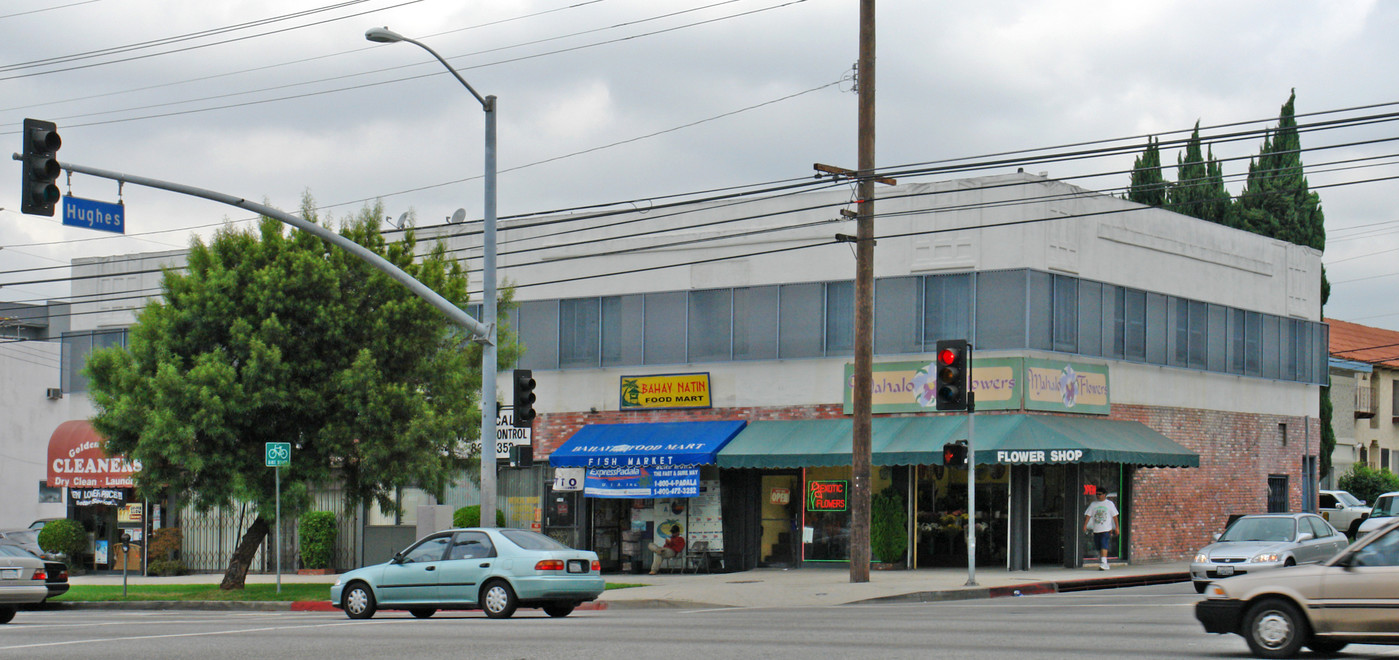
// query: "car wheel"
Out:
[7,614]
[1201,586]
[557,610]
[422,612]
[358,601]
[1324,646]
[1290,562]
[498,599]
[1274,629]
[1354,527]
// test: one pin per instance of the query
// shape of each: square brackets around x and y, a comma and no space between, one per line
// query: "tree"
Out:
[1187,195]
[273,335]
[1148,185]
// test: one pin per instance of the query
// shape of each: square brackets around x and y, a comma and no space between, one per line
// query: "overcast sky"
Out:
[611,100]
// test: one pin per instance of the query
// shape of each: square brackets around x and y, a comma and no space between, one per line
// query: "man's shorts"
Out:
[1102,540]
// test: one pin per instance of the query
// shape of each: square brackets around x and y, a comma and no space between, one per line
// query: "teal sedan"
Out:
[495,570]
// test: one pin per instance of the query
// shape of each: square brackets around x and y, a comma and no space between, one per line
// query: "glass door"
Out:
[780,504]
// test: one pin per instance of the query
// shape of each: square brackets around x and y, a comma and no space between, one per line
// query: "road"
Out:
[1145,622]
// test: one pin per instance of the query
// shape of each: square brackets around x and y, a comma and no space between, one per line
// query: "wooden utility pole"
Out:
[864,307]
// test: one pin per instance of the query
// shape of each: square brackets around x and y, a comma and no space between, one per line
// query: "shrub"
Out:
[64,536]
[317,532]
[165,542]
[1366,483]
[166,567]
[470,516]
[888,536]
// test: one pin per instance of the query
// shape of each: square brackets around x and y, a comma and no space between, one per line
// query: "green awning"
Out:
[826,442]
[1054,439]
[1000,439]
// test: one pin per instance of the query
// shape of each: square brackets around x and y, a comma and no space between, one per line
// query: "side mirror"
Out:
[1216,536]
[1305,536]
[397,558]
[1340,506]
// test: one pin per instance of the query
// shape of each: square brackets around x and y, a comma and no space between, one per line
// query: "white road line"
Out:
[106,640]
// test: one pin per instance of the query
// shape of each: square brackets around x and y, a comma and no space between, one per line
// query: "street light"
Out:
[488,312]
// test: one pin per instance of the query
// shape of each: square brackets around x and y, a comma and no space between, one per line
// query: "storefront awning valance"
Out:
[77,459]
[643,445]
[1051,439]
[826,442]
[1003,439]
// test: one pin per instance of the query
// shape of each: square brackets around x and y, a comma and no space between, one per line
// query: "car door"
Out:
[1360,592]
[468,563]
[412,576]
[1329,540]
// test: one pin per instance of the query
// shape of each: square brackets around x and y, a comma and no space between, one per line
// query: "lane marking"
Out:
[178,635]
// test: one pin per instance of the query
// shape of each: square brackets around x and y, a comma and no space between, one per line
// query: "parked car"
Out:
[1262,541]
[1347,599]
[38,525]
[21,582]
[496,570]
[1343,510]
[1385,509]
[27,539]
[55,572]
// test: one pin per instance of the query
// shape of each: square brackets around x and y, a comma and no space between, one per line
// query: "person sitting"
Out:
[673,546]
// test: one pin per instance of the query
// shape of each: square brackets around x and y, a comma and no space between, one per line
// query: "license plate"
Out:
[9,573]
[577,566]
[1226,570]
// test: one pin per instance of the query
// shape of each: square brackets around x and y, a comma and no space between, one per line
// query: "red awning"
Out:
[77,459]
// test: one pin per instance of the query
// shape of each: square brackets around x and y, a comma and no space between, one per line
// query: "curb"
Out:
[1032,588]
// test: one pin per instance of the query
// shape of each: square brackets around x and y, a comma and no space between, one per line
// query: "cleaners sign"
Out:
[92,214]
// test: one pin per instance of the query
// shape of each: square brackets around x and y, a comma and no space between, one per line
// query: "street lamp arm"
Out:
[385,35]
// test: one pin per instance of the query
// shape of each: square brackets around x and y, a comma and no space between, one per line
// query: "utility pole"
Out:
[864,306]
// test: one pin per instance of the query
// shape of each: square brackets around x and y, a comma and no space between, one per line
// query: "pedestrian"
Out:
[1101,518]
[673,546]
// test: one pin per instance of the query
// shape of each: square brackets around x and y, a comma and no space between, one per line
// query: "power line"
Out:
[44,9]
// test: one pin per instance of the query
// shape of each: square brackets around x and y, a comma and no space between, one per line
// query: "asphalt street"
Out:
[1142,622]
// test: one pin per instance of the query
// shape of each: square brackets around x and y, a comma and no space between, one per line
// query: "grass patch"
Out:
[252,592]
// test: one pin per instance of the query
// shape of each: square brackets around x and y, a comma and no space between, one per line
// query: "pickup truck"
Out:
[1343,511]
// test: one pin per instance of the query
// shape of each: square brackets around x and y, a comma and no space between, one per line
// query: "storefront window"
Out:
[826,511]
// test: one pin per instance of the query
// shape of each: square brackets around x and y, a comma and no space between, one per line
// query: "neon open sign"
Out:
[825,495]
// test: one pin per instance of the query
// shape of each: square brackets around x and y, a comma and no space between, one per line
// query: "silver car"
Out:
[21,582]
[1258,542]
[1385,509]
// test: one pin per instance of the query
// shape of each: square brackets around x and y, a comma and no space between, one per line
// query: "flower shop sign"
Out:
[908,386]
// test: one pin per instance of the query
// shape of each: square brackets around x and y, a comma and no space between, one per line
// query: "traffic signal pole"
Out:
[971,481]
[456,314]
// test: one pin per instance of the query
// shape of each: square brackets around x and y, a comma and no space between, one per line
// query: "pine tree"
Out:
[1217,201]
[1148,186]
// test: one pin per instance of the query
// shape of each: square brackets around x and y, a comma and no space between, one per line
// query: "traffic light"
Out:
[524,398]
[40,168]
[954,365]
[954,454]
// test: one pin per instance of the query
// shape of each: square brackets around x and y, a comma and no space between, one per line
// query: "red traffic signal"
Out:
[953,370]
[954,454]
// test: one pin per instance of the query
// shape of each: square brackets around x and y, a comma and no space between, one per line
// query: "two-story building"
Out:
[1364,366]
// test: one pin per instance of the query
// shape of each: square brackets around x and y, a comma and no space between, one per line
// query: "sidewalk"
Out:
[768,587]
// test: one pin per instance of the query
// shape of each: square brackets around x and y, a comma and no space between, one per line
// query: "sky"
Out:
[606,102]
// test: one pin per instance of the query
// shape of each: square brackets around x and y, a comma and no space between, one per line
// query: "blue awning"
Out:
[641,445]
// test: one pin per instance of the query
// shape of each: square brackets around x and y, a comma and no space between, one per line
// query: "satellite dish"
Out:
[458,217]
[402,220]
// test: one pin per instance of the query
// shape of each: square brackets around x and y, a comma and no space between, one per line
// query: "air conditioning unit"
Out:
[55,393]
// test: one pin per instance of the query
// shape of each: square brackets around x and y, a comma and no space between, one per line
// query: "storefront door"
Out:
[781,519]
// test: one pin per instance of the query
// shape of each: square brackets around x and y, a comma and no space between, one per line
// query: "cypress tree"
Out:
[1148,186]
[1187,195]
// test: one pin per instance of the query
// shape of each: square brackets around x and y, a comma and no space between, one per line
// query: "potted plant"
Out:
[888,538]
[317,533]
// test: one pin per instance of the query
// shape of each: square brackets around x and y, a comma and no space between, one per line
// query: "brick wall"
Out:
[1177,510]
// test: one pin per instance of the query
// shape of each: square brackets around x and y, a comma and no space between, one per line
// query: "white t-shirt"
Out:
[1100,515]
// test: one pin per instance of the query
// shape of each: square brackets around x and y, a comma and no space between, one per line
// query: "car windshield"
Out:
[532,540]
[1386,505]
[1347,499]
[1261,529]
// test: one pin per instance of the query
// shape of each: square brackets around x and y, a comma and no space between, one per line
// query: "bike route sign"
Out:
[278,454]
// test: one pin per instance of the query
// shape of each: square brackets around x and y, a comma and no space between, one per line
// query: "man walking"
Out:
[1101,518]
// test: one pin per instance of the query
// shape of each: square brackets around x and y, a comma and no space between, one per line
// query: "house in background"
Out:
[1364,366]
